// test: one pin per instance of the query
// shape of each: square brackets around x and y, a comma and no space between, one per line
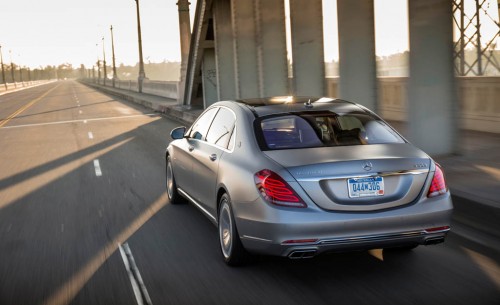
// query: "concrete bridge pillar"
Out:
[224,50]
[357,65]
[271,47]
[259,39]
[185,36]
[306,18]
[431,89]
[209,78]
[245,48]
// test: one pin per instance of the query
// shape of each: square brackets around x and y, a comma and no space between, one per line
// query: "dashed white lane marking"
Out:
[62,227]
[97,168]
[140,291]
[84,121]
[80,112]
[8,228]
[91,136]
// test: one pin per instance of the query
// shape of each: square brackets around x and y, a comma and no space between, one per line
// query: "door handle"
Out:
[191,147]
[213,157]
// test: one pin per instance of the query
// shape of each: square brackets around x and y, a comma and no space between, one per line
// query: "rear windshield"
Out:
[324,129]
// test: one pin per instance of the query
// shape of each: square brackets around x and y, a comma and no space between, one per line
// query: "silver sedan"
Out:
[296,177]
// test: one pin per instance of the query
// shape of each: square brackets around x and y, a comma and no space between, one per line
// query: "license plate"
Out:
[365,187]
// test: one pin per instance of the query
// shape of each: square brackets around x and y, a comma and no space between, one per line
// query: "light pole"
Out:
[3,69]
[104,62]
[98,64]
[12,69]
[113,53]
[29,75]
[98,71]
[142,74]
[20,71]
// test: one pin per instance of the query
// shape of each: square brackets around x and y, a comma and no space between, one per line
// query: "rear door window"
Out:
[221,128]
[200,127]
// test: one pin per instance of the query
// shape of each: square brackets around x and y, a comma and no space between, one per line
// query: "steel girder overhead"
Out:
[469,24]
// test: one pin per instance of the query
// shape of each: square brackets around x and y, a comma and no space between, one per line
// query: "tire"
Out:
[231,247]
[173,195]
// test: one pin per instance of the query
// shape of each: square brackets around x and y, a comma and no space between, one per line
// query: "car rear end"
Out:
[343,180]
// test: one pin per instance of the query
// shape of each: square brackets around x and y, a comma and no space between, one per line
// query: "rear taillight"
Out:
[276,191]
[438,184]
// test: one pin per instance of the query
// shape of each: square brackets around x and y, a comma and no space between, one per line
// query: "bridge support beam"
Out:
[271,47]
[185,36]
[245,48]
[209,78]
[357,65]
[431,89]
[224,50]
[306,18]
[259,48]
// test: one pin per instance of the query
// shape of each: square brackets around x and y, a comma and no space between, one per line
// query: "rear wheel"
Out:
[232,249]
[173,194]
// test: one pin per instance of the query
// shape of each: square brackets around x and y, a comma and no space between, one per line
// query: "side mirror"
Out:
[178,133]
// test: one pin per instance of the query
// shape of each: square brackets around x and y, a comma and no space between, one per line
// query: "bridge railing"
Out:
[479,98]
[159,88]
[19,85]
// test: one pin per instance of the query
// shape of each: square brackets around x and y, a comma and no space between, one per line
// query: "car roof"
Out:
[286,104]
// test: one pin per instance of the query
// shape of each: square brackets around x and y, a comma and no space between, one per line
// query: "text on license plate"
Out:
[365,187]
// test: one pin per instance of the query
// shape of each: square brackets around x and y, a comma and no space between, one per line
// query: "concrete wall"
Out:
[19,85]
[479,105]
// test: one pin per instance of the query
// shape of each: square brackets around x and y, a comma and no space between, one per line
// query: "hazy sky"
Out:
[41,32]
[51,32]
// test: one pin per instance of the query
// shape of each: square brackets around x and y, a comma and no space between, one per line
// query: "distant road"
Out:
[82,182]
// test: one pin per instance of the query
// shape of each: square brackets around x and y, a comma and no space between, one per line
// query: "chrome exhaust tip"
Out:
[300,254]
[434,240]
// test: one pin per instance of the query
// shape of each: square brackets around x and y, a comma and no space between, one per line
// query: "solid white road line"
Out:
[135,286]
[91,136]
[140,291]
[84,121]
[97,168]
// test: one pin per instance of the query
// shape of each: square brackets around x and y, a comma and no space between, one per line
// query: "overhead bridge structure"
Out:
[238,49]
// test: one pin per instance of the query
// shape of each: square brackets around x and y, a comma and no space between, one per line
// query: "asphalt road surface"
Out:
[84,219]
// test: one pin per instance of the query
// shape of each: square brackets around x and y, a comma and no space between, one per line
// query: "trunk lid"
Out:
[340,178]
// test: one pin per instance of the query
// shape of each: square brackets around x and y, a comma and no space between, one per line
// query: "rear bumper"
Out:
[355,243]
[296,234]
